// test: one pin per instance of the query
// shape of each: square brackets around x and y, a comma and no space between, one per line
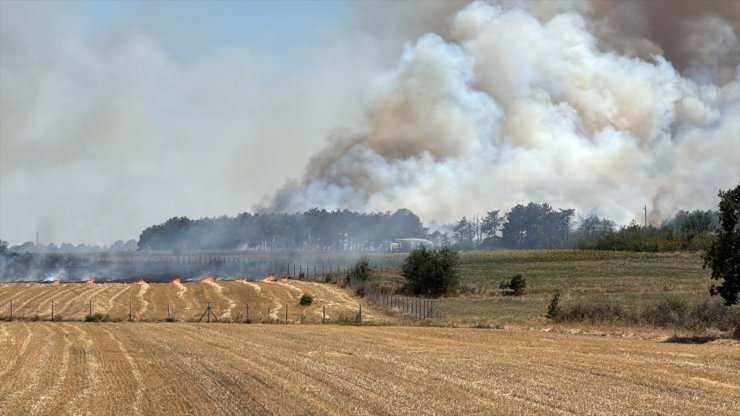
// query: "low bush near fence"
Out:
[306,300]
[97,317]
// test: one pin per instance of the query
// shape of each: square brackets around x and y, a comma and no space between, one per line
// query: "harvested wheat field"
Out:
[230,300]
[59,368]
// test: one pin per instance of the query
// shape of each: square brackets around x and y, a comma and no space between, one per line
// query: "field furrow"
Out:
[223,300]
[143,303]
[84,377]
[48,395]
[25,380]
[220,369]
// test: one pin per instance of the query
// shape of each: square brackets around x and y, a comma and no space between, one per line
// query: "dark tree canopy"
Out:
[536,226]
[723,257]
[431,272]
[313,229]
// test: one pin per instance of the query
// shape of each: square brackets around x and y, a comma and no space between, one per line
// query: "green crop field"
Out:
[620,278]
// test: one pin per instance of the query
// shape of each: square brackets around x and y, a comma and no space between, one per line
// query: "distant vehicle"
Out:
[404,245]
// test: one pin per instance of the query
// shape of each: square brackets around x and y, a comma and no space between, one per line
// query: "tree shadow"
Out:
[690,340]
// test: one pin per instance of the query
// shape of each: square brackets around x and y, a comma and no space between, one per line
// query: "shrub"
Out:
[667,312]
[517,284]
[97,317]
[361,270]
[306,300]
[431,272]
[671,312]
[554,309]
[599,312]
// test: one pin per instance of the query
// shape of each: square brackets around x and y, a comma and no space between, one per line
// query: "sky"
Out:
[117,115]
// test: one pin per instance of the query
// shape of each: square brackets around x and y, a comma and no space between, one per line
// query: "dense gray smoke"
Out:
[605,106]
[118,115]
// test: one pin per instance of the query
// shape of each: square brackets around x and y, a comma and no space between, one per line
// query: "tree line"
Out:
[530,226]
[312,229]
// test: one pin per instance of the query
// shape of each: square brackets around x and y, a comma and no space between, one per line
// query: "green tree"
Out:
[361,271]
[517,284]
[431,272]
[491,223]
[723,256]
[463,233]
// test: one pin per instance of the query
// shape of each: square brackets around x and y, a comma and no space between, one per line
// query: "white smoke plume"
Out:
[579,104]
[111,121]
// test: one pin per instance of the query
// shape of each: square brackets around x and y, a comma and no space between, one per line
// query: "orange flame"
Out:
[269,278]
[91,281]
[56,282]
[243,280]
[211,279]
[176,281]
[284,279]
[141,282]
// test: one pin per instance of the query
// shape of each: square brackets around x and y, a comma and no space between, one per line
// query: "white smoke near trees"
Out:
[524,102]
[111,121]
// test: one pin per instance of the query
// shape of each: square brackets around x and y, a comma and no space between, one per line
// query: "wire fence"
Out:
[208,312]
[417,308]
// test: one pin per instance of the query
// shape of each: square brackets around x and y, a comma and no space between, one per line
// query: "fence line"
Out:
[206,313]
[418,308]
[415,307]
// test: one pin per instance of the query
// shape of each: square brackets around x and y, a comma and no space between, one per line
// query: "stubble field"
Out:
[152,367]
[230,300]
[58,368]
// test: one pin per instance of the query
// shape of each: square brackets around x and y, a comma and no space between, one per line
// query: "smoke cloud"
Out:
[579,104]
[114,121]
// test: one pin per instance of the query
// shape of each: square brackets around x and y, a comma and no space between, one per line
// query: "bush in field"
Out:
[667,312]
[97,317]
[597,312]
[361,270]
[517,284]
[671,312]
[554,309]
[431,272]
[306,300]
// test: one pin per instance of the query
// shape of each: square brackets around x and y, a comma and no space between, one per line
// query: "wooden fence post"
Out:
[323,318]
[89,308]
[286,314]
[52,311]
